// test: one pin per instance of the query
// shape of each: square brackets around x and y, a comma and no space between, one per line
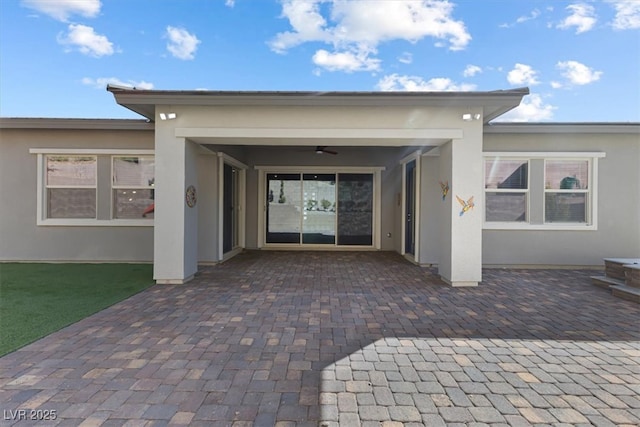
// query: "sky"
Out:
[580,59]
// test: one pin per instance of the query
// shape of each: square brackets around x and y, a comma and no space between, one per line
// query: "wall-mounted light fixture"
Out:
[168,116]
[467,117]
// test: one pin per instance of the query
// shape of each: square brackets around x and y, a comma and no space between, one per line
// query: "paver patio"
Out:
[340,338]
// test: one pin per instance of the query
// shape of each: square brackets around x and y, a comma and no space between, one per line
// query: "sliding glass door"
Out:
[355,209]
[319,213]
[284,208]
[319,208]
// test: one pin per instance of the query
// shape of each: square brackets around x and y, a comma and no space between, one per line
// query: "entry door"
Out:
[410,208]
[230,208]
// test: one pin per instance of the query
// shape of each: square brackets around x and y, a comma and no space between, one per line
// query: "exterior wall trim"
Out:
[544,154]
[112,151]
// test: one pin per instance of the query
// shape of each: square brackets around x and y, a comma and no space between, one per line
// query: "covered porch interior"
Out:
[405,176]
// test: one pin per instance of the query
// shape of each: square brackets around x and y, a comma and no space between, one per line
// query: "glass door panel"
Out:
[410,207]
[284,208]
[355,209]
[228,205]
[319,209]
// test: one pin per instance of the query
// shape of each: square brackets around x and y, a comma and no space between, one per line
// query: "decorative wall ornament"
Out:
[191,196]
[445,189]
[465,205]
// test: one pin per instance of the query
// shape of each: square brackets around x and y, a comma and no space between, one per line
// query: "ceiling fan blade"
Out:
[320,149]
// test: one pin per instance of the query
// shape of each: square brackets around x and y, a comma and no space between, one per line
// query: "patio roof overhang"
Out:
[144,102]
[389,137]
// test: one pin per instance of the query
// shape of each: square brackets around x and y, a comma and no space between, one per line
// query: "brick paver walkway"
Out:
[340,338]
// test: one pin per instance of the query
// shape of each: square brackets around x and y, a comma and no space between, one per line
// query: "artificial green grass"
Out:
[38,299]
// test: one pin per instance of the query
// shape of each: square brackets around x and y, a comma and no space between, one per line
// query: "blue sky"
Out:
[581,59]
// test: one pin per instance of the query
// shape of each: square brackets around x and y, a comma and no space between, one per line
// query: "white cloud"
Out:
[556,84]
[521,19]
[102,82]
[523,74]
[577,73]
[534,14]
[627,14]
[86,40]
[531,109]
[360,26]
[396,82]
[182,44]
[582,17]
[345,61]
[406,58]
[471,70]
[61,10]
[230,3]
[307,22]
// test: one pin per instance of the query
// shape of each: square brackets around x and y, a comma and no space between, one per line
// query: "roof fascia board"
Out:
[455,99]
[551,128]
[59,123]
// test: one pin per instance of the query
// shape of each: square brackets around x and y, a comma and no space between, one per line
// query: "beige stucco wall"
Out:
[331,117]
[22,240]
[618,233]
[431,207]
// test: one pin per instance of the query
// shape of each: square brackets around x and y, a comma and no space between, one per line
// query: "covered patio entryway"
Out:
[305,170]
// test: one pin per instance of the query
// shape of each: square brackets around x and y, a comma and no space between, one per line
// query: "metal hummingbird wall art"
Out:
[445,189]
[466,205]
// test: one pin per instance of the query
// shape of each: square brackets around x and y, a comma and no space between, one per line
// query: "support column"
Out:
[461,232]
[176,223]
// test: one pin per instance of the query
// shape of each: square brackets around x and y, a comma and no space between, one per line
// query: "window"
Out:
[506,186]
[71,186]
[566,191]
[132,187]
[99,187]
[534,191]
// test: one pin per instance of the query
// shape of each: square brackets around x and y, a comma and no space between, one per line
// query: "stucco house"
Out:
[205,174]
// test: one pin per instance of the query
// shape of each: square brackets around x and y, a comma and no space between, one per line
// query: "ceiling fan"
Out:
[321,149]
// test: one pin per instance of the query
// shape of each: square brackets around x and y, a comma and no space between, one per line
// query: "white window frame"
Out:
[526,191]
[592,208]
[126,187]
[48,186]
[41,190]
[587,191]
